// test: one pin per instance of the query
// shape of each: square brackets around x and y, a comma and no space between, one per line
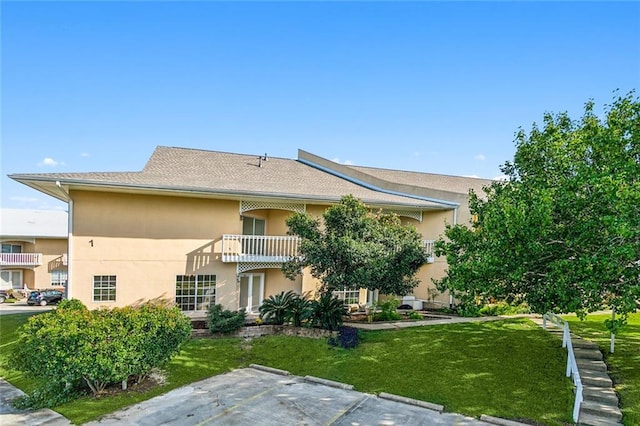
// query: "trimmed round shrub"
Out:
[220,320]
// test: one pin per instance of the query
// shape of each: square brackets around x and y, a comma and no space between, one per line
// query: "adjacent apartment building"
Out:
[34,249]
[201,227]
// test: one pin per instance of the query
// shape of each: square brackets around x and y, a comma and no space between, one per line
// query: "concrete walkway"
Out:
[435,319]
[11,416]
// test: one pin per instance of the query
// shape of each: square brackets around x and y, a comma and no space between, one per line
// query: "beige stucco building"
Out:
[34,249]
[201,227]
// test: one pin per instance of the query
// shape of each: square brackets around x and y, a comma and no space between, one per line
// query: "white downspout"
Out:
[455,222]
[69,240]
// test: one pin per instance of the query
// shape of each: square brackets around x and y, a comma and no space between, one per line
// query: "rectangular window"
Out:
[58,278]
[349,295]
[195,292]
[11,248]
[104,288]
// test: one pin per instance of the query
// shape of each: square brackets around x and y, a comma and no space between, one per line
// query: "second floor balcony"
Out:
[258,248]
[262,248]
[20,259]
[427,245]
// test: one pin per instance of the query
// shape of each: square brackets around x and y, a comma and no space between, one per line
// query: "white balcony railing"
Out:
[428,249]
[21,259]
[261,248]
[258,248]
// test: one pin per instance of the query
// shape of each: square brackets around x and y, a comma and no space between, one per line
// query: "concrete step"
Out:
[583,344]
[591,364]
[587,354]
[601,409]
[606,395]
[591,420]
[596,379]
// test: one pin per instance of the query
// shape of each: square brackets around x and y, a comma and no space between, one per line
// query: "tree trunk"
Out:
[613,336]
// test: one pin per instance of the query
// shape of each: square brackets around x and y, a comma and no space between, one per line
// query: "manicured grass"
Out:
[509,368]
[624,363]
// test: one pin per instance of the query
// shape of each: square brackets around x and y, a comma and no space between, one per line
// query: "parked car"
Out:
[44,297]
[3,296]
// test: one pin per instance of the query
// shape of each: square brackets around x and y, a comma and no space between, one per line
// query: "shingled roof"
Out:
[240,175]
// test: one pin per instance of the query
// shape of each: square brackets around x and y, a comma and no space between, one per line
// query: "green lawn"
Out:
[624,363]
[509,368]
[8,336]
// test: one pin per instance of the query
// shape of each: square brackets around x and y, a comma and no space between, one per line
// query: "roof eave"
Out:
[48,185]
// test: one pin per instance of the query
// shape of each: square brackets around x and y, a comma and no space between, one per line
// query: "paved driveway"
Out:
[22,307]
[255,397]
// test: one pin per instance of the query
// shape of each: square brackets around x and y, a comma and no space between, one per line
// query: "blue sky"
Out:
[436,87]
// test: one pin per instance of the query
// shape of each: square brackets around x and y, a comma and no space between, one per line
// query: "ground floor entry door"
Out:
[251,291]
[11,280]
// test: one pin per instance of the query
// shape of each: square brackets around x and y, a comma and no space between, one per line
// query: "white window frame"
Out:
[59,278]
[348,295]
[195,293]
[12,246]
[107,288]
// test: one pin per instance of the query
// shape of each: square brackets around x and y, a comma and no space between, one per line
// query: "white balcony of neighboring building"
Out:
[20,259]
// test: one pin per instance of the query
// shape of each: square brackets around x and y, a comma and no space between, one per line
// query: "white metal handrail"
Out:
[572,365]
[16,259]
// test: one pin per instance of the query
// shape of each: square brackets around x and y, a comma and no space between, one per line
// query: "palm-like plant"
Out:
[328,311]
[300,310]
[275,308]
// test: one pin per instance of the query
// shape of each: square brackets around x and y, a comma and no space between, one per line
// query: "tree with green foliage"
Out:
[563,231]
[357,248]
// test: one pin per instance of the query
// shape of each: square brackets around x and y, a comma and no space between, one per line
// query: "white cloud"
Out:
[501,178]
[345,162]
[50,162]
[23,199]
[472,176]
[85,154]
[480,157]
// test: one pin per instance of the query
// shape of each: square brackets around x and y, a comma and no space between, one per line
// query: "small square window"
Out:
[104,288]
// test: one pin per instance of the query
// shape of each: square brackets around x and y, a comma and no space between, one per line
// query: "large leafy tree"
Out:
[563,232]
[356,248]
